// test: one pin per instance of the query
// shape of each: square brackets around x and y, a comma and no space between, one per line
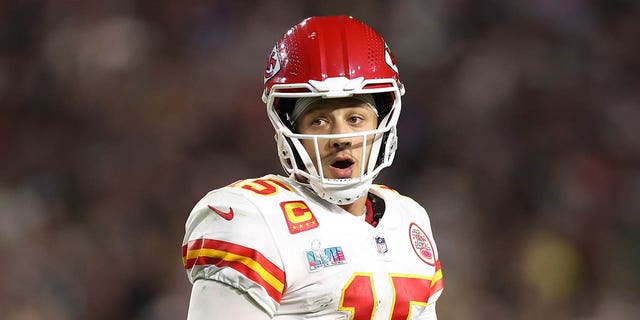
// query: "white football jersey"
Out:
[299,257]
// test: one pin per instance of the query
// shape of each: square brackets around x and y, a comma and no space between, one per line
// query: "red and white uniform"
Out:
[296,255]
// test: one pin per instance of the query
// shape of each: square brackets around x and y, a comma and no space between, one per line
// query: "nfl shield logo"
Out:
[381,245]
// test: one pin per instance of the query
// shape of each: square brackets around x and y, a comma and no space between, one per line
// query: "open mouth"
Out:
[342,164]
[341,168]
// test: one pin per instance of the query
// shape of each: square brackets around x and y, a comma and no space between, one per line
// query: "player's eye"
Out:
[318,121]
[355,119]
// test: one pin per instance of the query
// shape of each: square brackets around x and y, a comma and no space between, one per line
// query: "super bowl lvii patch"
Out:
[319,257]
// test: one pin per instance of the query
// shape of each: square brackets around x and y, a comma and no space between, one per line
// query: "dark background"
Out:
[519,134]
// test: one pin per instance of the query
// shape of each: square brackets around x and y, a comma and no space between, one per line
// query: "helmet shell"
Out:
[329,47]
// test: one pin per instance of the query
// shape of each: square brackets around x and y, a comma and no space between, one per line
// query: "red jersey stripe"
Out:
[437,282]
[247,261]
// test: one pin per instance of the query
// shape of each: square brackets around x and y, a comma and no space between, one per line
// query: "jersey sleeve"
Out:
[436,285]
[227,240]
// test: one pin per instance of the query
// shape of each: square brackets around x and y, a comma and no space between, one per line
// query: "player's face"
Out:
[340,157]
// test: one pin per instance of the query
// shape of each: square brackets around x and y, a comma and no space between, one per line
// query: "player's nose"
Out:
[341,128]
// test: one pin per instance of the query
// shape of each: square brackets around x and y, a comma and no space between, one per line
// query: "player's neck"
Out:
[357,208]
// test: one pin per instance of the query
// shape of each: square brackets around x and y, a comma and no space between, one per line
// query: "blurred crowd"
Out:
[520,135]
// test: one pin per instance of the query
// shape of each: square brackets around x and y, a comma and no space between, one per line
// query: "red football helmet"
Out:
[332,57]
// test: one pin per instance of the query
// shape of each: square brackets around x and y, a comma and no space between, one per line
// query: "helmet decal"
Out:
[273,64]
[389,58]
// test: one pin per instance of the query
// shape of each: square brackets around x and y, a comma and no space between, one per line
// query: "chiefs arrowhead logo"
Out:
[225,215]
[273,65]
[389,58]
[422,245]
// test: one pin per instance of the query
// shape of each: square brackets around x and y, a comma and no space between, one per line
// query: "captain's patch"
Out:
[298,216]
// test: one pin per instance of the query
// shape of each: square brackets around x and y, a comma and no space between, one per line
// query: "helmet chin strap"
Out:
[342,196]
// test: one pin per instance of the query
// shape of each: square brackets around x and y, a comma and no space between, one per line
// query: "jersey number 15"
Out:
[359,295]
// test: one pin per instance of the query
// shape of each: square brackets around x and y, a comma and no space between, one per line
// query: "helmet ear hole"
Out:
[284,153]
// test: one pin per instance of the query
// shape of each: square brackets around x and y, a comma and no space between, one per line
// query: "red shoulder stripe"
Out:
[437,282]
[247,261]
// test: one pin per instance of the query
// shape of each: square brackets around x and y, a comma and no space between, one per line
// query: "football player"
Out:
[322,242]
